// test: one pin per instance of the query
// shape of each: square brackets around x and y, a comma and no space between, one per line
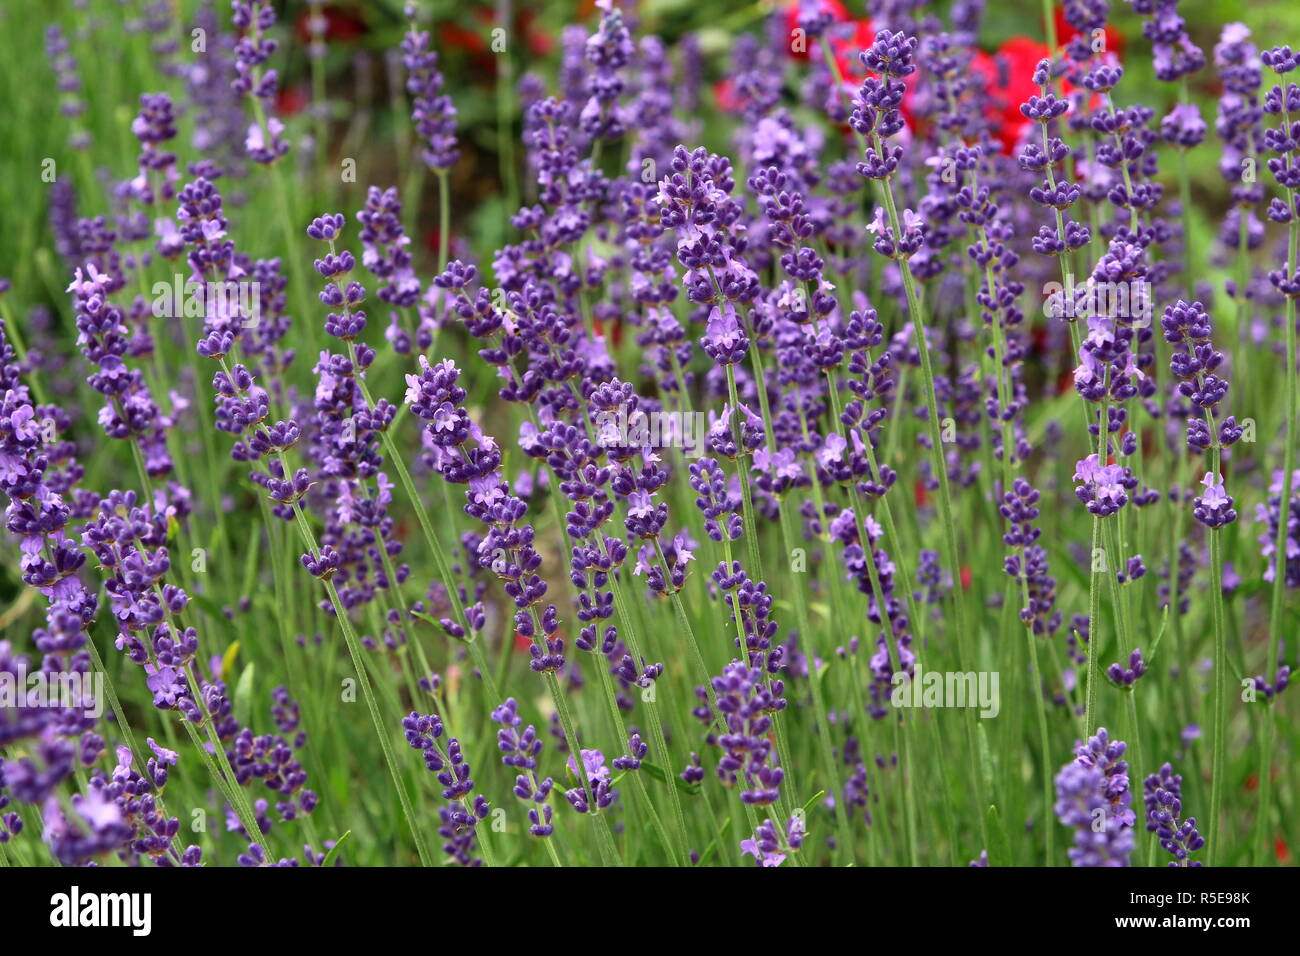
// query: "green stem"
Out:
[607,847]
[1046,769]
[225,777]
[948,529]
[1094,609]
[823,727]
[1218,767]
[660,742]
[1287,490]
[367,691]
[751,526]
[444,218]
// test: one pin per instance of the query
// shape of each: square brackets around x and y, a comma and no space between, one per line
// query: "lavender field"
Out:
[648,433]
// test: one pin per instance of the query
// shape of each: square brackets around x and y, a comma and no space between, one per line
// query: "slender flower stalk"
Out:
[876,116]
[1196,365]
[434,117]
[1282,101]
[242,408]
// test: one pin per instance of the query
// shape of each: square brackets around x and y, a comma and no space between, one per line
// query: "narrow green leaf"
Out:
[713,844]
[334,850]
[1160,636]
[243,703]
[986,757]
[228,661]
[807,807]
[438,624]
[1000,852]
[658,773]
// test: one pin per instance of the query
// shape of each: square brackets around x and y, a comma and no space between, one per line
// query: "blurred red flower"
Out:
[291,100]
[615,333]
[1065,33]
[724,95]
[477,40]
[1009,81]
[340,25]
[839,13]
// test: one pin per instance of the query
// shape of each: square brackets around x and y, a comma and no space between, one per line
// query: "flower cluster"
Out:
[1162,793]
[1029,562]
[444,759]
[521,750]
[254,19]
[1093,798]
[747,702]
[769,847]
[432,110]
[129,410]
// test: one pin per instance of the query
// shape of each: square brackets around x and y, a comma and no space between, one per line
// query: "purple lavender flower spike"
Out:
[746,702]
[464,809]
[1028,562]
[521,750]
[1093,798]
[432,110]
[769,847]
[1162,793]
[1126,677]
[254,19]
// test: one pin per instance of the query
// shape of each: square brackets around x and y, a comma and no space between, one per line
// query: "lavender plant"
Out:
[792,454]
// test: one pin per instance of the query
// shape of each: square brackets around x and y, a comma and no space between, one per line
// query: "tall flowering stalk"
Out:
[521,750]
[464,808]
[242,410]
[876,117]
[1175,58]
[129,410]
[695,200]
[1048,157]
[1028,565]
[254,20]
[1195,364]
[388,257]
[1107,377]
[747,701]
[1239,125]
[264,144]
[1281,100]
[68,82]
[466,455]
[434,117]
